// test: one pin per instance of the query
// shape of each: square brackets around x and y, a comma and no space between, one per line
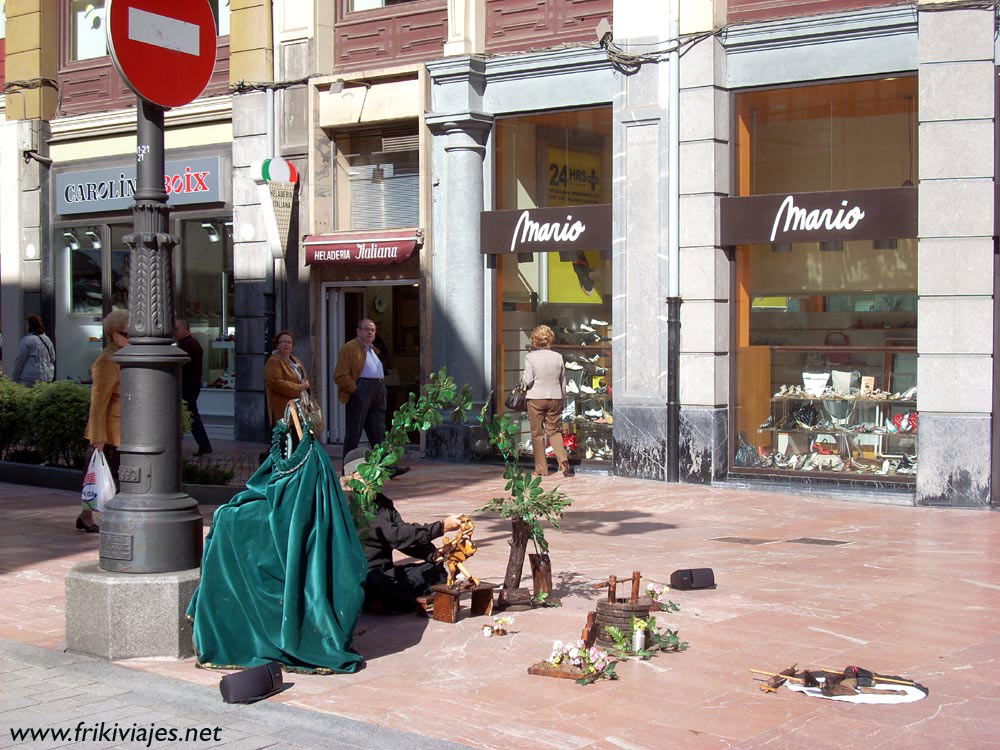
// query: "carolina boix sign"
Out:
[186,181]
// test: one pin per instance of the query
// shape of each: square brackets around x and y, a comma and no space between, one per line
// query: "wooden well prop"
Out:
[618,612]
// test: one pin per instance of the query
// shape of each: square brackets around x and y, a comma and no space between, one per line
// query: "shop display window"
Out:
[826,331]
[206,298]
[543,161]
[840,136]
[93,270]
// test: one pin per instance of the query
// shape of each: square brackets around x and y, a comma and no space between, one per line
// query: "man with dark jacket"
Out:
[191,383]
[390,587]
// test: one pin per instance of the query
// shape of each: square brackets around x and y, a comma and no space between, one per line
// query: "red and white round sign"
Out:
[164,51]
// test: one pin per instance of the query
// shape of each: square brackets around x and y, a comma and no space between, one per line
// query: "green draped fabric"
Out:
[282,572]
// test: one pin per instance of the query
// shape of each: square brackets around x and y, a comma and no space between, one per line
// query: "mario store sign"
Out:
[186,181]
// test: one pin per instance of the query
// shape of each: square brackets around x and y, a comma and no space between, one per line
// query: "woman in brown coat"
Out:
[104,421]
[284,376]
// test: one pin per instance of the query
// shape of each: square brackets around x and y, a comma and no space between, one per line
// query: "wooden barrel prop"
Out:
[619,614]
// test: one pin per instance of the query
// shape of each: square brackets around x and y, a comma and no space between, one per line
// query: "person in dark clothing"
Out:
[191,383]
[390,587]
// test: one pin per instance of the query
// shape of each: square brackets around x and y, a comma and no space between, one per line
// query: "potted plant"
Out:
[526,506]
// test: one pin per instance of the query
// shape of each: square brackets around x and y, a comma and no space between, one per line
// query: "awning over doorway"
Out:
[377,247]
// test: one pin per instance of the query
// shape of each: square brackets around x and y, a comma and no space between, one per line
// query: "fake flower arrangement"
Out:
[654,591]
[593,663]
[501,623]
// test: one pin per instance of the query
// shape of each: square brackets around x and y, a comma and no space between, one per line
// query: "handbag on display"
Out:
[746,454]
[517,399]
[815,382]
[845,382]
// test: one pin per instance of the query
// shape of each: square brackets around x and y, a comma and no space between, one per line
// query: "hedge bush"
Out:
[46,423]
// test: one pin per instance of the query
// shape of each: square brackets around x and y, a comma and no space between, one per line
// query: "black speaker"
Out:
[251,685]
[695,578]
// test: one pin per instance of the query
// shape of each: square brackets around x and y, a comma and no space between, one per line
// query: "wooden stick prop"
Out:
[775,674]
[294,412]
[612,586]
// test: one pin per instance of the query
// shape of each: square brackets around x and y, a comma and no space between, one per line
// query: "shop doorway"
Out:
[394,306]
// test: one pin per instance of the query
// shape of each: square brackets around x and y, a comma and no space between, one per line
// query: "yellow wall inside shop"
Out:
[175,138]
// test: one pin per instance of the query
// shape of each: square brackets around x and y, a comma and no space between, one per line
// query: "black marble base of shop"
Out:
[703,455]
[449,442]
[954,463]
[640,441]
[889,493]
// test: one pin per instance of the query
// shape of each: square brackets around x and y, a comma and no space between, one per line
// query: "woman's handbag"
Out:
[312,412]
[517,399]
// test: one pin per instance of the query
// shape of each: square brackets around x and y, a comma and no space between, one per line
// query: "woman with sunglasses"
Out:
[104,422]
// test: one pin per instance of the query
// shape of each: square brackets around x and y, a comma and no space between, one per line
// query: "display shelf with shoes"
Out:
[852,429]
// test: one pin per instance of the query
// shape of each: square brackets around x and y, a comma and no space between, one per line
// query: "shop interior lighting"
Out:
[831,246]
[72,241]
[211,231]
[781,247]
[94,237]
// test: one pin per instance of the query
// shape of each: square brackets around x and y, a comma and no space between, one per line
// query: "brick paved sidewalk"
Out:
[45,689]
[902,590]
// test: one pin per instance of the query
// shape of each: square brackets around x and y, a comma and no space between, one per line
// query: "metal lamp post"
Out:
[151,526]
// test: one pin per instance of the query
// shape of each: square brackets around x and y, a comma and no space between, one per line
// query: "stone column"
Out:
[458,316]
[955,274]
[457,279]
[704,275]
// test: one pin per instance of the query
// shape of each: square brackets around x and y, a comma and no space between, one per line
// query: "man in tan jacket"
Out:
[360,377]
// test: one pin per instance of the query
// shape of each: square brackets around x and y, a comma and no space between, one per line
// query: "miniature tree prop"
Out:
[527,504]
[439,394]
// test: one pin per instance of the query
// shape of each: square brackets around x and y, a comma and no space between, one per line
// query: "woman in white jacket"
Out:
[545,381]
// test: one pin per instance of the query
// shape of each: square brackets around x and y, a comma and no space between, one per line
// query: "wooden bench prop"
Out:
[447,600]
[619,612]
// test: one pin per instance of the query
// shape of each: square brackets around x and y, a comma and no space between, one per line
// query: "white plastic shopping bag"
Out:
[98,484]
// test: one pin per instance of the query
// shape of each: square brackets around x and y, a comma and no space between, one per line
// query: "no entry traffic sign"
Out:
[165,51]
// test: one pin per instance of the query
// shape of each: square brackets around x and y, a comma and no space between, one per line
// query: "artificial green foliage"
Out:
[58,418]
[14,415]
[438,395]
[527,501]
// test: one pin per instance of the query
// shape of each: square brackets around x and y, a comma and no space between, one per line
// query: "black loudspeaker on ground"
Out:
[693,578]
[251,685]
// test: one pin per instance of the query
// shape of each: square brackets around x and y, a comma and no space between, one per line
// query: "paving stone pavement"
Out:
[803,578]
[60,692]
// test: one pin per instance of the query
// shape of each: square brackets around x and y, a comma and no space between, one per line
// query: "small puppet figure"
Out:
[454,552]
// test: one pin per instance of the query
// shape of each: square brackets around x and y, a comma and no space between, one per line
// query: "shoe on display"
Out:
[589,453]
[587,389]
[572,387]
[590,359]
[587,329]
[769,422]
[909,394]
[596,322]
[574,366]
[600,370]
[594,413]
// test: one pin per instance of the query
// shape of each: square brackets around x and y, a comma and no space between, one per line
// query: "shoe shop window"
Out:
[826,330]
[545,161]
